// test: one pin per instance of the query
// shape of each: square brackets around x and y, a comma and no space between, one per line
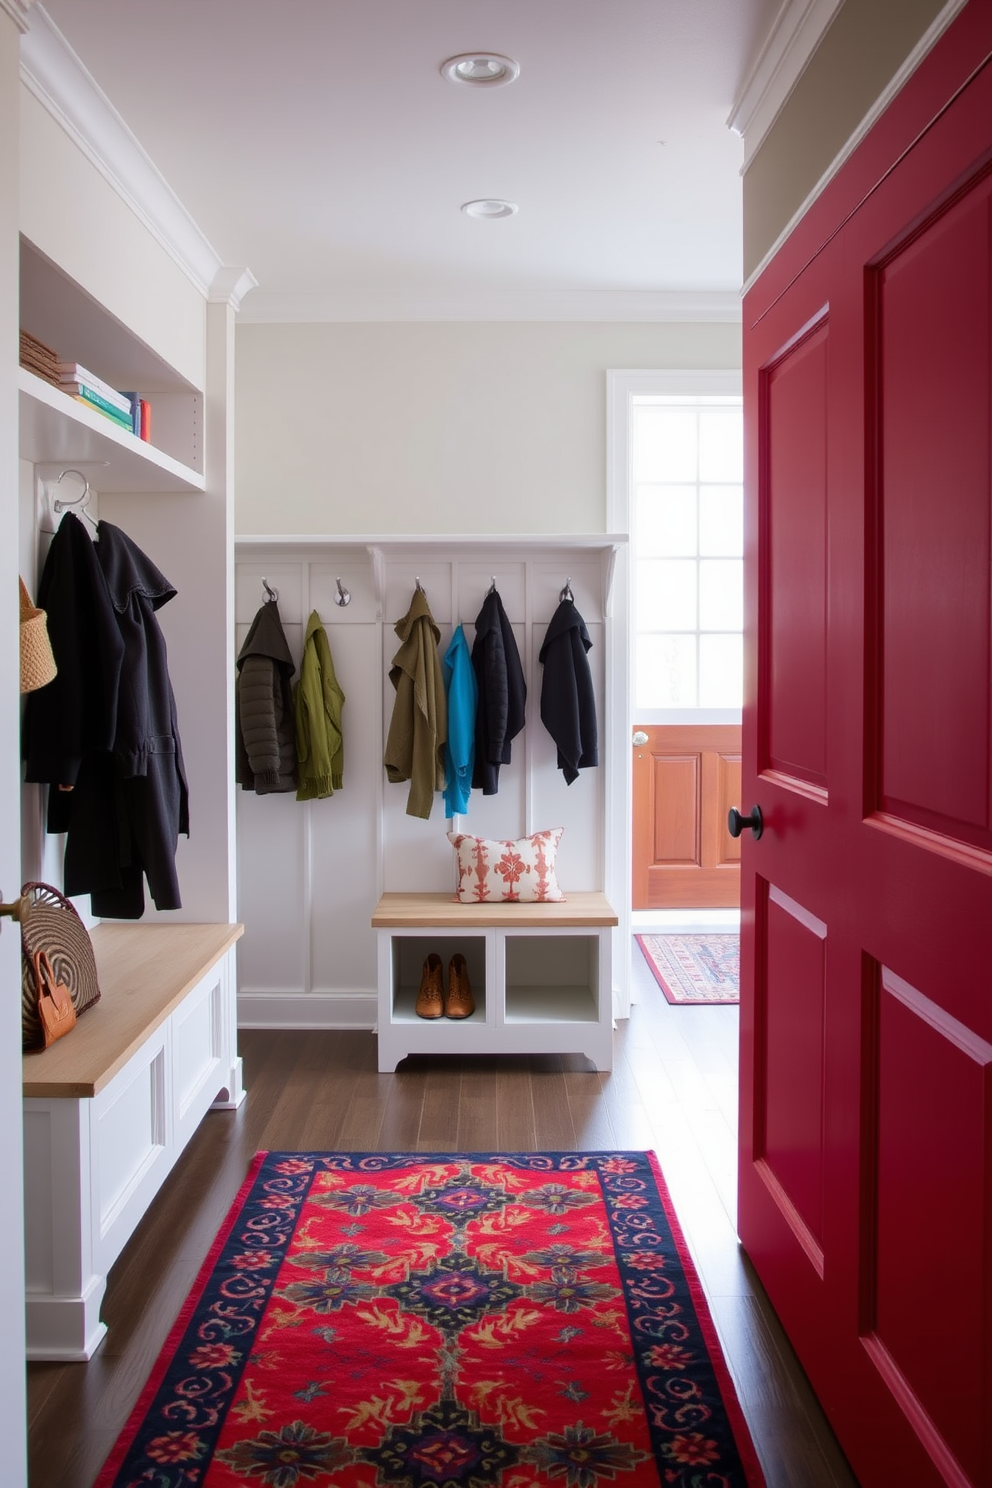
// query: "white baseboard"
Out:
[290,1008]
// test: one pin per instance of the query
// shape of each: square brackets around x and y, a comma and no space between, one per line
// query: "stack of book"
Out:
[90,390]
[127,410]
[39,358]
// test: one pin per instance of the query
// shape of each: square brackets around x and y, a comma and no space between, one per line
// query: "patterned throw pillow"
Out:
[521,872]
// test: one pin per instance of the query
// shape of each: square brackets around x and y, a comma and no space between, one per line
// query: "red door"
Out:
[866,1006]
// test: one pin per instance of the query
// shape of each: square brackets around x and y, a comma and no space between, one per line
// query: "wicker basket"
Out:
[37,662]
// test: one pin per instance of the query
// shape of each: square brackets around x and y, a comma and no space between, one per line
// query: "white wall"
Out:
[440,427]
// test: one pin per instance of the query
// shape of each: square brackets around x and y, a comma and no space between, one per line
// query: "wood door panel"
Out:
[793,558]
[932,387]
[932,1099]
[677,788]
[686,778]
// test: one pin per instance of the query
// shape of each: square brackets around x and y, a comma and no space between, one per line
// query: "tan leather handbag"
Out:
[55,1010]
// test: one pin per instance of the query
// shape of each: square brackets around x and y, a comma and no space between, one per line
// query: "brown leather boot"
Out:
[459,1003]
[430,998]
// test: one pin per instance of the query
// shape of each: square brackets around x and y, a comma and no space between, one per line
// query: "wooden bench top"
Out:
[145,971]
[442,911]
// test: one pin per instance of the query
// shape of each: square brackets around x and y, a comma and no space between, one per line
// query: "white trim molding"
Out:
[291,1008]
[925,44]
[795,35]
[622,387]
[57,78]
[230,286]
[18,11]
[684,306]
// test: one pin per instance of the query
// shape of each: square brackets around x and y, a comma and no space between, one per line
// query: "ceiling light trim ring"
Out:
[480,70]
[489,208]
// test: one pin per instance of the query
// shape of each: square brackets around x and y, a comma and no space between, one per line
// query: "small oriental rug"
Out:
[694,968]
[442,1321]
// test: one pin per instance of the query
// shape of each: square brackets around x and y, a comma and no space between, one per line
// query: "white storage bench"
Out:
[109,1108]
[541,976]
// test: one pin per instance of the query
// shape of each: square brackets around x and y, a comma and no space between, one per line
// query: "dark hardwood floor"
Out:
[673,1088]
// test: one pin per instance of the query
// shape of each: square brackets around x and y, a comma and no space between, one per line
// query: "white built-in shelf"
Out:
[57,429]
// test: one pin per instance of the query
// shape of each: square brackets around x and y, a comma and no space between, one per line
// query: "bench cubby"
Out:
[540,973]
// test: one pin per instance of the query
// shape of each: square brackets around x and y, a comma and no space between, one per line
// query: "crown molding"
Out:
[55,75]
[794,37]
[509,305]
[230,286]
[18,11]
[927,41]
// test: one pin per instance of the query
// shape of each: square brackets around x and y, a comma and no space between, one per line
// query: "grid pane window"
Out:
[667,521]
[689,516]
[721,594]
[721,521]
[666,594]
[668,443]
[666,671]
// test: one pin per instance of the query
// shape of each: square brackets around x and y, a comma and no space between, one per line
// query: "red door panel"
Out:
[790,1142]
[793,433]
[866,955]
[932,391]
[930,1175]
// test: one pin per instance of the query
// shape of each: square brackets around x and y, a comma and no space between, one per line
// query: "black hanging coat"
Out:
[568,706]
[73,719]
[264,723]
[105,729]
[150,789]
[502,693]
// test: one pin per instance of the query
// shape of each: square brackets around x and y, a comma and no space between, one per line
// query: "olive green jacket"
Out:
[419,725]
[318,702]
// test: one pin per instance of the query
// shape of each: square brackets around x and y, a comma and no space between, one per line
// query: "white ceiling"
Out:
[316,143]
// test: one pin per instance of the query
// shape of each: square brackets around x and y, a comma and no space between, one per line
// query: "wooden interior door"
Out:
[866,989]
[686,778]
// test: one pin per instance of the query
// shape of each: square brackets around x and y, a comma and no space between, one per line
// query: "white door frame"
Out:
[623,385]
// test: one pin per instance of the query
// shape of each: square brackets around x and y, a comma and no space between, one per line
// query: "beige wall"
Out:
[76,218]
[860,54]
[440,427]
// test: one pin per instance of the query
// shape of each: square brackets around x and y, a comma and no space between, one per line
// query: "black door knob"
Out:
[736,822]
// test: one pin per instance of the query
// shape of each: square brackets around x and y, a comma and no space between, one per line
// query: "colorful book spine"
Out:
[135,402]
[82,390]
[146,420]
[122,420]
[72,372]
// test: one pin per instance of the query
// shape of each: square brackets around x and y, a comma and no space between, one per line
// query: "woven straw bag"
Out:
[37,662]
[51,925]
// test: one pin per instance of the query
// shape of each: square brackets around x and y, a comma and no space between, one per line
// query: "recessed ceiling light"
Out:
[489,206]
[480,69]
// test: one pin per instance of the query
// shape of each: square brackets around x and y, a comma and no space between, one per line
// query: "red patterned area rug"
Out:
[694,968]
[442,1321]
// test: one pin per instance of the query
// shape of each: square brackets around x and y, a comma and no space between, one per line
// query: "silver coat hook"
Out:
[271,595]
[566,593]
[343,596]
[83,500]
